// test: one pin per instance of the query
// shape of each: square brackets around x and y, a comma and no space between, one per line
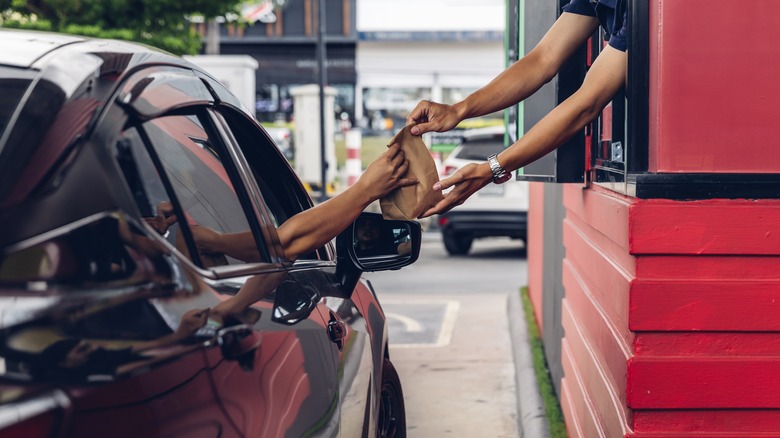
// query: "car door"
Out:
[287,387]
[120,328]
[272,374]
[283,197]
[110,337]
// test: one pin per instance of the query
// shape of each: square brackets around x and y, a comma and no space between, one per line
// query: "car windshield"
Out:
[479,150]
[12,88]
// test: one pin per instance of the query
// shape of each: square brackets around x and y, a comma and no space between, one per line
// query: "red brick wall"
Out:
[671,316]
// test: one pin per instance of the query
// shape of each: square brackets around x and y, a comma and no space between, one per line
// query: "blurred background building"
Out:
[382,57]
[284,43]
[434,49]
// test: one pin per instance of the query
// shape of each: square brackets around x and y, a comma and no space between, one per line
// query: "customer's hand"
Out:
[465,182]
[386,173]
[433,117]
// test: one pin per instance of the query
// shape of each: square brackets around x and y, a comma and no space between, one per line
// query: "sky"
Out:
[430,15]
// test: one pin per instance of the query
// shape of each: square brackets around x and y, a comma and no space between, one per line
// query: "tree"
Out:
[159,23]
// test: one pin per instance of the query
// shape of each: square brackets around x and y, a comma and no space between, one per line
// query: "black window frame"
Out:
[576,160]
[227,161]
[566,164]
[285,185]
[630,110]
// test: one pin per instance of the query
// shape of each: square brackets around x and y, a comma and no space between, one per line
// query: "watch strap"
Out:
[500,175]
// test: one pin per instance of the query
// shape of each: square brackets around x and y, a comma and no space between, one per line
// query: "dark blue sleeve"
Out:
[619,40]
[580,7]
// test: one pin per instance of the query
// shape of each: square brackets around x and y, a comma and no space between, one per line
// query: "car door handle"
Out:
[337,331]
[239,343]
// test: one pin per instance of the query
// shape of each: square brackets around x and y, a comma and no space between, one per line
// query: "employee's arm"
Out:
[604,79]
[520,80]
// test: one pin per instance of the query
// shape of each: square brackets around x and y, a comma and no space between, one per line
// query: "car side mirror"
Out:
[376,244]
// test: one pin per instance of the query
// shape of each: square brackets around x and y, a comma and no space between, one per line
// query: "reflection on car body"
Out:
[116,318]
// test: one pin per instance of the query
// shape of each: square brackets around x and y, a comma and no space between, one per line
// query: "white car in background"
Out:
[282,137]
[496,210]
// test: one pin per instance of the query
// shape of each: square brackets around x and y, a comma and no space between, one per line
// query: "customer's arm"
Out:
[313,228]
[240,245]
[310,229]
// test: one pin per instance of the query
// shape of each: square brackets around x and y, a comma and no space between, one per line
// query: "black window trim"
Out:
[641,183]
[622,176]
[326,254]
[189,239]
[201,112]
[242,172]
[124,119]
[250,195]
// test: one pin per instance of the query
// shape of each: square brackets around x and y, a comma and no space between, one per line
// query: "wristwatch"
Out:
[500,175]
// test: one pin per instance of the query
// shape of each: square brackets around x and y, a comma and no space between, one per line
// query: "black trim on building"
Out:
[698,186]
[567,163]
[287,40]
[638,92]
[625,152]
[296,63]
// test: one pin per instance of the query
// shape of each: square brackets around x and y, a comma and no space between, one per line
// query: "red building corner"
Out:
[655,274]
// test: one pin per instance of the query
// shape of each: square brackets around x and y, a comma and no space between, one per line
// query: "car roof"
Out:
[65,63]
[62,74]
[37,50]
[23,48]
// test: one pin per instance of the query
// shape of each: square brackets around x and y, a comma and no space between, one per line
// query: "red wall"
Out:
[597,274]
[671,316]
[714,88]
[672,308]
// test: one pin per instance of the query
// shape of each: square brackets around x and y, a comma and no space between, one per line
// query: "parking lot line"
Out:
[443,328]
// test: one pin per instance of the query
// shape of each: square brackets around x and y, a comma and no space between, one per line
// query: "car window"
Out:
[479,150]
[281,190]
[13,84]
[201,188]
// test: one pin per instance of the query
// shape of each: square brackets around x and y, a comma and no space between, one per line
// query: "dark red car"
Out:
[114,321]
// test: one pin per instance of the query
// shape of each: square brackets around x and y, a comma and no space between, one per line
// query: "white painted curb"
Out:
[530,406]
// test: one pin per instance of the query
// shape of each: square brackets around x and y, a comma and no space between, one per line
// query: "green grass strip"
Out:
[551,405]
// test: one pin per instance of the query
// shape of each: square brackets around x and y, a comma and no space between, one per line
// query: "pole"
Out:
[212,37]
[353,165]
[321,70]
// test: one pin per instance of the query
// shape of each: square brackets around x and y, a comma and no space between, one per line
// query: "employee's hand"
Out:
[386,173]
[164,218]
[464,183]
[433,117]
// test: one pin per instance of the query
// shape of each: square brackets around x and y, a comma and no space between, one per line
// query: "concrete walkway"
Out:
[467,387]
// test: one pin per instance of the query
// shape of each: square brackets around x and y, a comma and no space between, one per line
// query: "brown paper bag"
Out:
[409,202]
